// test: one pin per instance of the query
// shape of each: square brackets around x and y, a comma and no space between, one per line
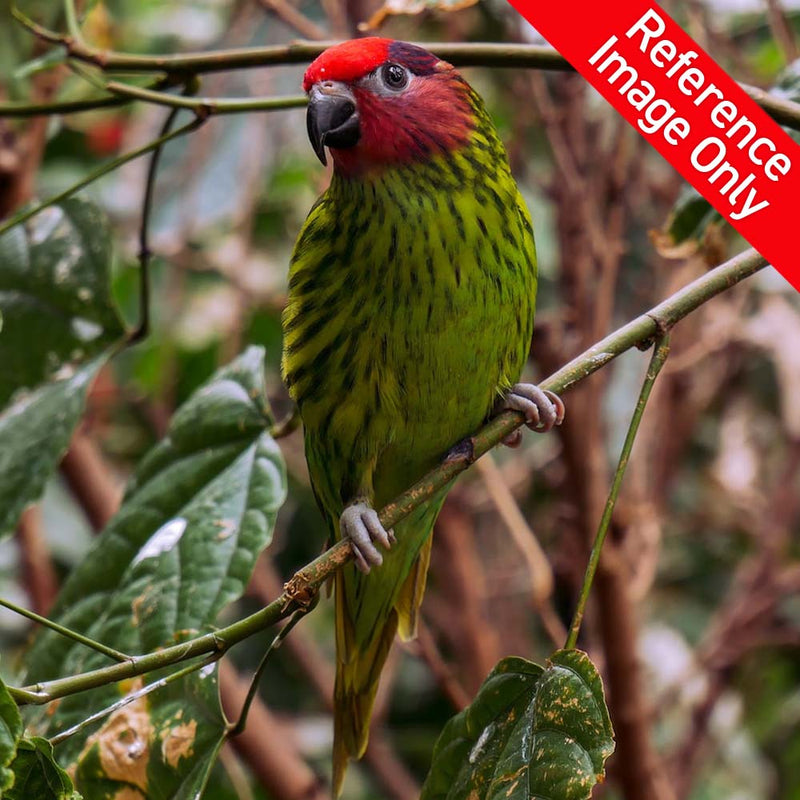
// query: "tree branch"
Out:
[207,106]
[297,52]
[302,588]
[460,54]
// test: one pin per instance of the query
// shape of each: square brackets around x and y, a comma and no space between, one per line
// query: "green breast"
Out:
[410,309]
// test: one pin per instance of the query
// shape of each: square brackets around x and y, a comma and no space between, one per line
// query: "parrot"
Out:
[408,321]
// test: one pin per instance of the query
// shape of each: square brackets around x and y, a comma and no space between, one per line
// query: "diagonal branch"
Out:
[302,588]
[638,333]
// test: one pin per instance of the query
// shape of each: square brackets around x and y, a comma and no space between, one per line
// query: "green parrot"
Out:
[410,315]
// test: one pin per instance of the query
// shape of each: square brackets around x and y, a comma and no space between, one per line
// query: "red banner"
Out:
[690,110]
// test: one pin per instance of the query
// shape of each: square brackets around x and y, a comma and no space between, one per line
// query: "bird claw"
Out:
[542,409]
[360,524]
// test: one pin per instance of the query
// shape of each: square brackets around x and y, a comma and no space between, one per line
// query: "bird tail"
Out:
[360,658]
[354,693]
[357,678]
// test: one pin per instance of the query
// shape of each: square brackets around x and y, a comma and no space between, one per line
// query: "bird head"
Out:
[377,103]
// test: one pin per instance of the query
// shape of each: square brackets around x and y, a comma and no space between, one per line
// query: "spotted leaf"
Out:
[58,325]
[530,732]
[199,510]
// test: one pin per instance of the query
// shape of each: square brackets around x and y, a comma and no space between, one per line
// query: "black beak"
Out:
[332,117]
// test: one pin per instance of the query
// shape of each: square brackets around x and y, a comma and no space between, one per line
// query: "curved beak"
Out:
[332,117]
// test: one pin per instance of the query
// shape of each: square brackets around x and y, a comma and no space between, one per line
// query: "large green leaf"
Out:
[54,295]
[58,323]
[10,732]
[37,775]
[35,430]
[160,747]
[199,510]
[529,733]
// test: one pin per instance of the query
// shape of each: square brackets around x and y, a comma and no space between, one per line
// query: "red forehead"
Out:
[348,61]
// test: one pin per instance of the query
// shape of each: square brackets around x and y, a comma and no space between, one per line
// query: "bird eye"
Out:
[394,76]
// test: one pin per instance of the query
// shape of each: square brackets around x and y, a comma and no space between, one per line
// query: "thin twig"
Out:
[784,112]
[66,632]
[137,695]
[21,109]
[539,569]
[207,106]
[238,775]
[782,30]
[267,745]
[524,538]
[143,327]
[297,52]
[286,426]
[71,17]
[237,727]
[440,669]
[294,19]
[387,768]
[660,354]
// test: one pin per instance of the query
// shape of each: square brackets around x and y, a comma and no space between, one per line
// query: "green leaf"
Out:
[690,218]
[787,87]
[37,775]
[17,44]
[198,512]
[58,326]
[530,732]
[692,215]
[164,744]
[54,295]
[34,433]
[10,732]
[50,59]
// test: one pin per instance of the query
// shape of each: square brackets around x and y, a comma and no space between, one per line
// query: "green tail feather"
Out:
[354,695]
[369,611]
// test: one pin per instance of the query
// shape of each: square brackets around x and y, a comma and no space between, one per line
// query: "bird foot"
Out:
[542,409]
[360,524]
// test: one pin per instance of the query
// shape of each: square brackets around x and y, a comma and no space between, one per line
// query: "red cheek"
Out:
[429,119]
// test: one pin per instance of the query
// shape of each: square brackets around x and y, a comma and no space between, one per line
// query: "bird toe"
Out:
[359,523]
[543,409]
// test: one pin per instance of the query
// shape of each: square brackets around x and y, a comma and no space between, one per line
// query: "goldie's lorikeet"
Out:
[410,316]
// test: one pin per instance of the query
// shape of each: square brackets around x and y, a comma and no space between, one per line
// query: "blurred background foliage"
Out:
[697,607]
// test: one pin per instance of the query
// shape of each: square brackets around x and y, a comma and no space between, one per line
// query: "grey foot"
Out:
[360,524]
[542,409]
